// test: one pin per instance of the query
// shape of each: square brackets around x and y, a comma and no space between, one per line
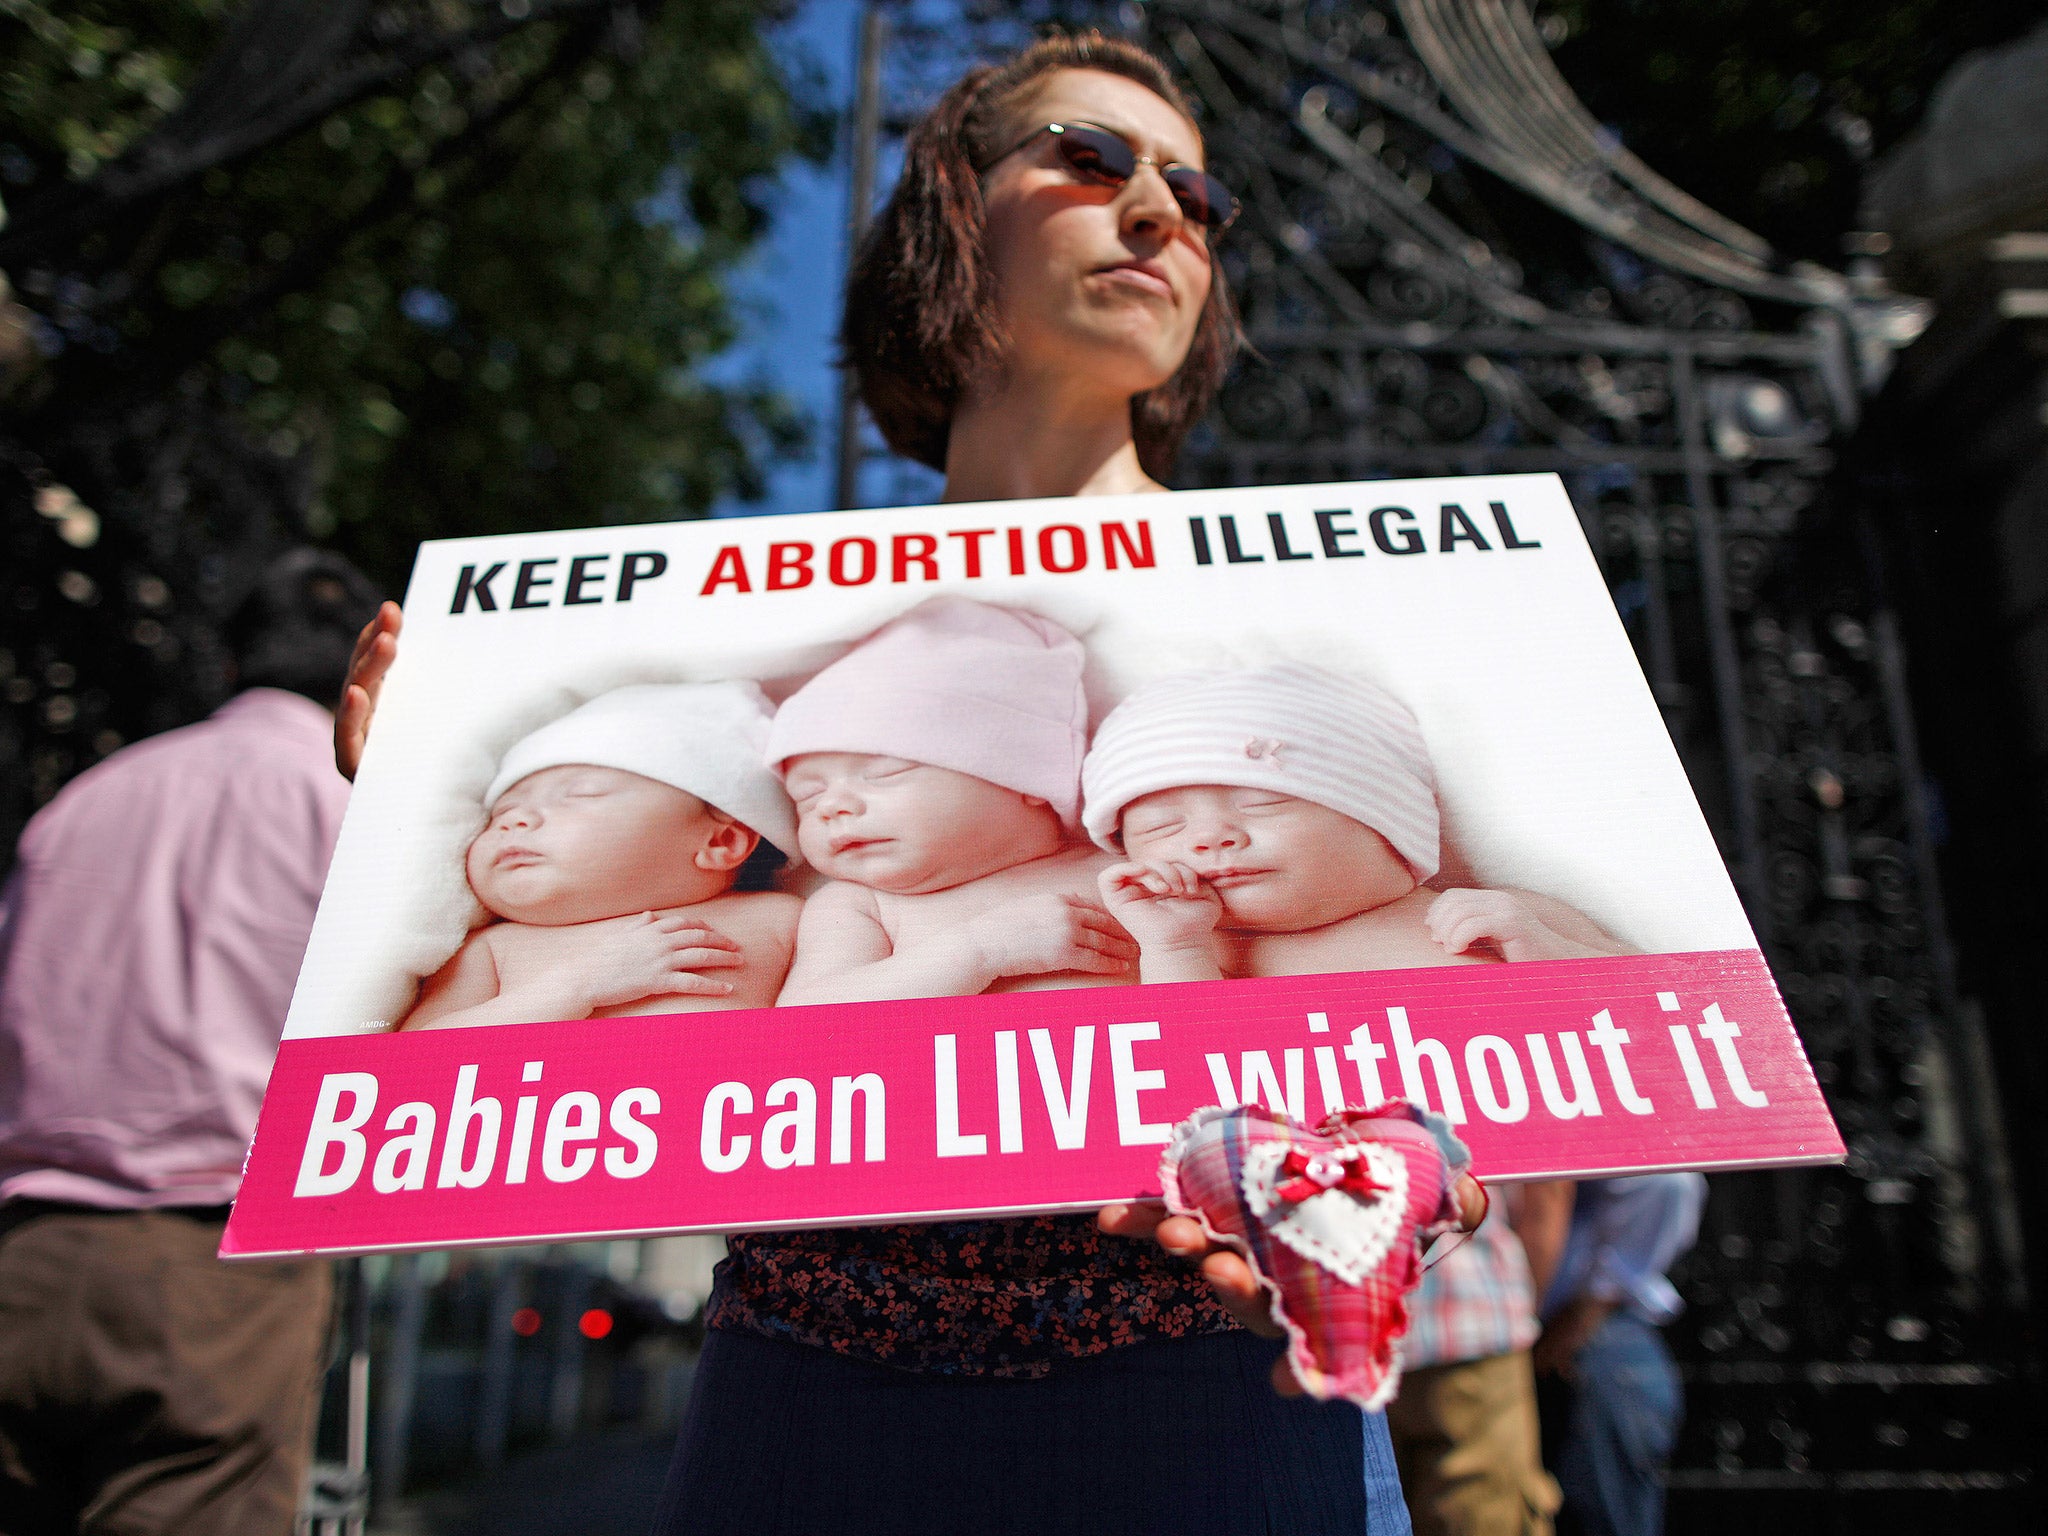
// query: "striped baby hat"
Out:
[1297,729]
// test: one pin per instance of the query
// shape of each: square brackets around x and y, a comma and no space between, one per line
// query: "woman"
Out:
[1038,312]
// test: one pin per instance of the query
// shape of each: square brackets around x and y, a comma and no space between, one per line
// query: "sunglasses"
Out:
[1097,155]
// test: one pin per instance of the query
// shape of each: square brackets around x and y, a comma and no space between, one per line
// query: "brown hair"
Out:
[921,308]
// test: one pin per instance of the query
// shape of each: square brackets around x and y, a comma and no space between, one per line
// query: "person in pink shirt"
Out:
[150,935]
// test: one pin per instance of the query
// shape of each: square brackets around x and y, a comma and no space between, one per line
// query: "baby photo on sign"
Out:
[1155,767]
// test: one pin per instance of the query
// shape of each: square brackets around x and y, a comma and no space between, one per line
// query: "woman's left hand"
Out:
[1226,1270]
[376,648]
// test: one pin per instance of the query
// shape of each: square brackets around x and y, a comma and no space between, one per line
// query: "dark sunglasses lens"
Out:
[1095,153]
[1204,199]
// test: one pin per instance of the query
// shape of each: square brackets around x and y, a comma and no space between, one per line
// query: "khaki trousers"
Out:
[1466,1441]
[145,1386]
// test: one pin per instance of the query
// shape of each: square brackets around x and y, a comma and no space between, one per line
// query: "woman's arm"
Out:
[1541,1214]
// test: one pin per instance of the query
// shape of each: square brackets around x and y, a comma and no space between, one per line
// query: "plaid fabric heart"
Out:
[1332,1220]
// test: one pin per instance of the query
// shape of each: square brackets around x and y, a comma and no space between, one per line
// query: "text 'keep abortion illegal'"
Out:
[976,554]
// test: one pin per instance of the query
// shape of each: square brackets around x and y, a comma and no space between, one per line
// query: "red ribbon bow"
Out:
[1310,1173]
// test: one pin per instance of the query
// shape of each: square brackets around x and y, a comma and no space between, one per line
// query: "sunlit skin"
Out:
[1101,287]
[944,885]
[375,649]
[1053,420]
[614,895]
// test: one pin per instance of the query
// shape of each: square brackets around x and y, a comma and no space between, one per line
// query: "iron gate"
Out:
[1446,267]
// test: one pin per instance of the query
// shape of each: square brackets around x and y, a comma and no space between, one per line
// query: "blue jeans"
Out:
[1625,1407]
[1386,1508]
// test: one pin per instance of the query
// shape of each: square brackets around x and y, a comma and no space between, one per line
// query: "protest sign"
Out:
[1377,805]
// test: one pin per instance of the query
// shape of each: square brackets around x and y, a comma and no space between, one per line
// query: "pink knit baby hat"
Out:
[1300,730]
[958,684]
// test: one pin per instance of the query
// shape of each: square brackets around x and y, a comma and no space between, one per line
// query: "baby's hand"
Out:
[1458,920]
[1163,908]
[658,955]
[1050,931]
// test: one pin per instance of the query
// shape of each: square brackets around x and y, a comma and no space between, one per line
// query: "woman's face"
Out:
[1096,282]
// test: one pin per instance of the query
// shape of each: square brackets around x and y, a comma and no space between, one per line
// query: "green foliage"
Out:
[1765,109]
[83,81]
[481,300]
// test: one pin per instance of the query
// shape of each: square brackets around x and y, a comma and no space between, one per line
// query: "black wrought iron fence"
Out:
[1444,271]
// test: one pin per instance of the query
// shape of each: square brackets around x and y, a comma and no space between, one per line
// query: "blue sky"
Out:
[790,292]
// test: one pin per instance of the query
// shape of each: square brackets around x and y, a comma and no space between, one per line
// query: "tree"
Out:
[477,298]
[362,271]
[1766,110]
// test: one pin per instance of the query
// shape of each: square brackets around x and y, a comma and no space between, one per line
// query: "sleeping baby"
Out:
[1281,821]
[614,839]
[936,774]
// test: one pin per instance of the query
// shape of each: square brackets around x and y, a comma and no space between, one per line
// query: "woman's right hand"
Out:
[376,648]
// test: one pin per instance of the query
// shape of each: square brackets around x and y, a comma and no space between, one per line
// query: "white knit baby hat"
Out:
[706,739]
[1292,728]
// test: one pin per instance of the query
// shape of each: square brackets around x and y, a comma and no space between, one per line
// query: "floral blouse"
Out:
[975,1298]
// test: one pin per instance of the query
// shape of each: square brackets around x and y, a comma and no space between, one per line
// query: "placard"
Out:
[1377,804]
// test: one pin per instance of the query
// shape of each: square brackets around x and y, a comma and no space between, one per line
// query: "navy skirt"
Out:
[1182,1437]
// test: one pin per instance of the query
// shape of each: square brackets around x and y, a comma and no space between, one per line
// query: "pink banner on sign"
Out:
[864,1112]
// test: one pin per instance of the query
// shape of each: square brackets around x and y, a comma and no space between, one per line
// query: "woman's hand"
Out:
[376,648]
[1226,1270]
